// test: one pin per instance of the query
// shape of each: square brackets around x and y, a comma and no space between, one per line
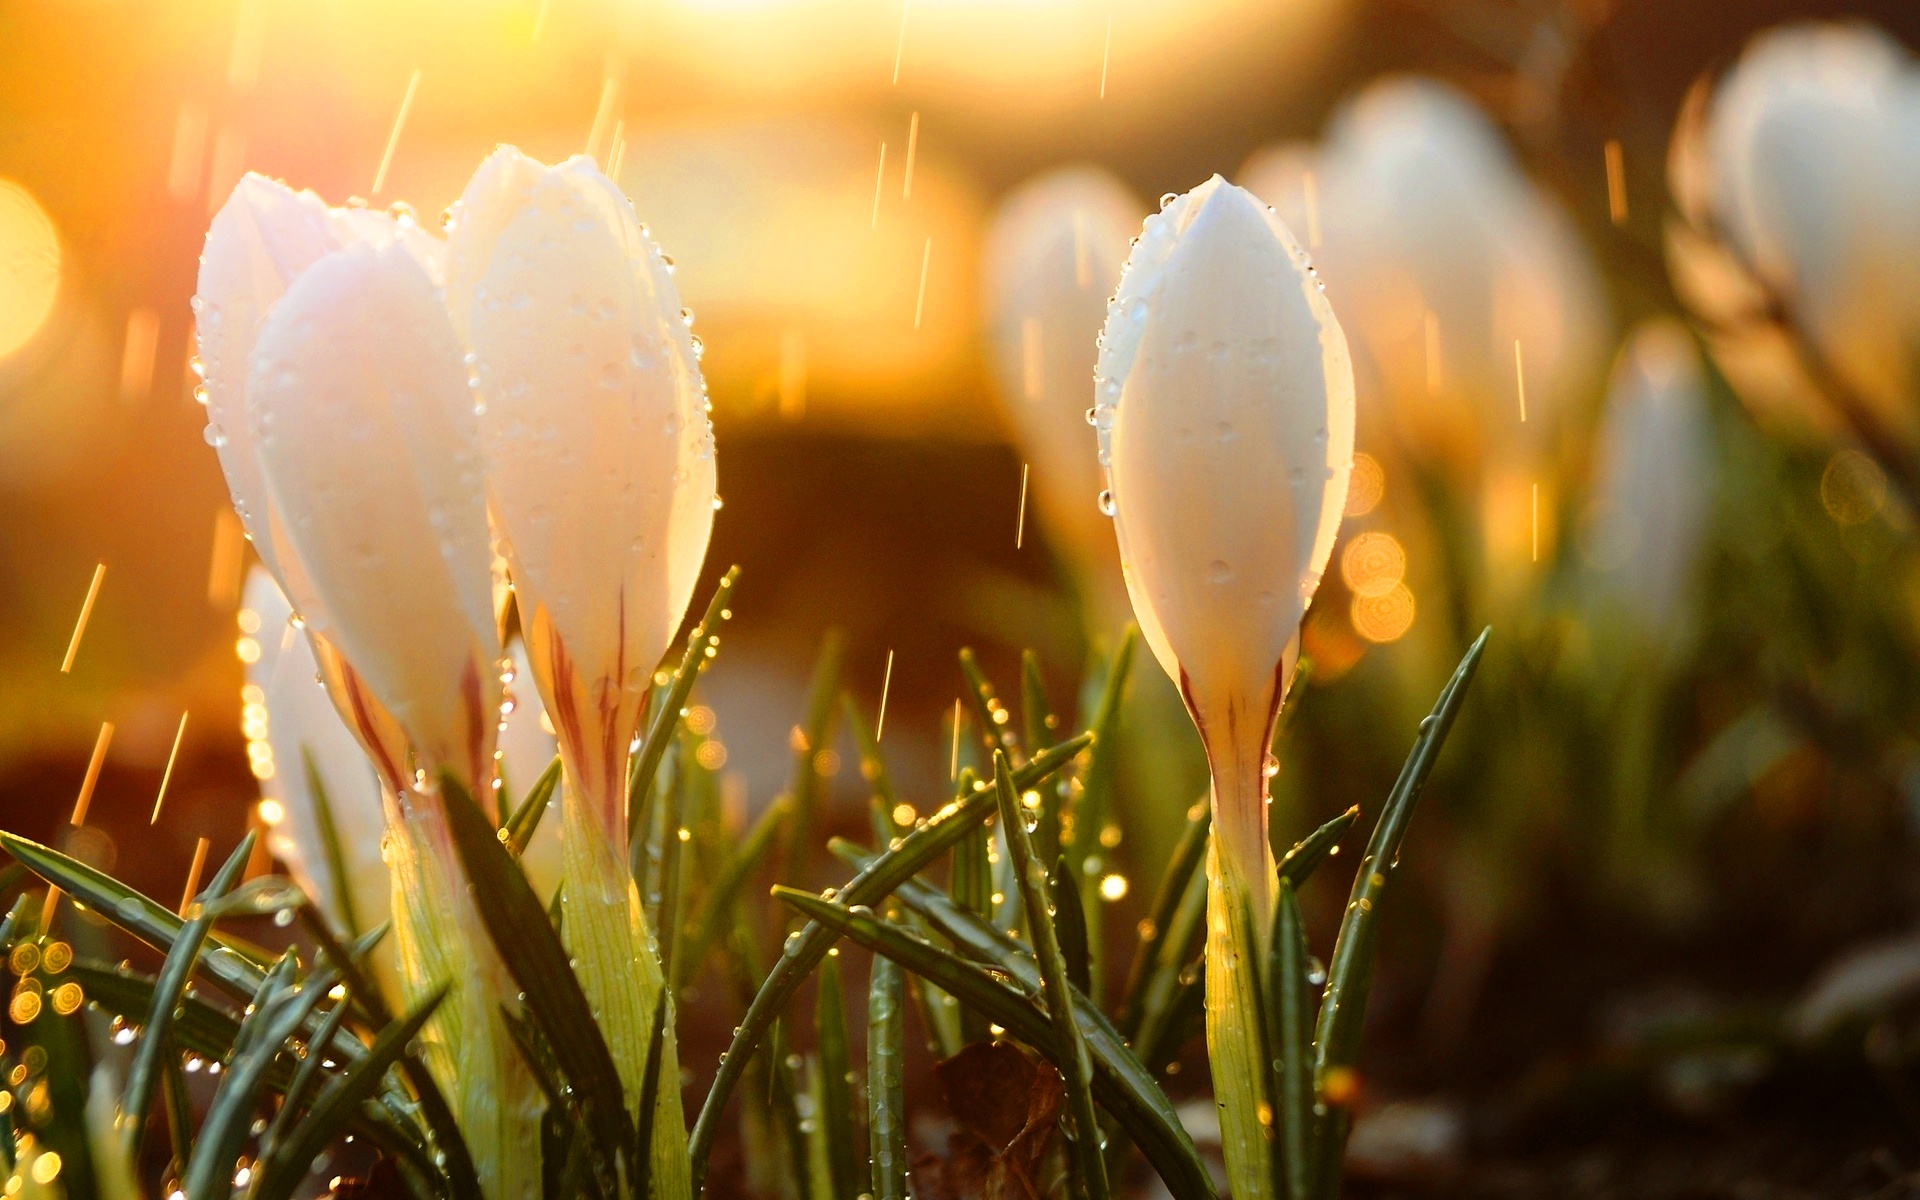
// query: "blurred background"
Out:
[1683,799]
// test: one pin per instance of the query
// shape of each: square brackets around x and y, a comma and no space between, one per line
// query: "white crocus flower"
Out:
[1441,254]
[349,437]
[288,709]
[1805,163]
[1225,409]
[1052,258]
[1655,479]
[600,468]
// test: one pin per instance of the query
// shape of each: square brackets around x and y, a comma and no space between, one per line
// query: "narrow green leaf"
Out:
[525,820]
[917,849]
[144,1073]
[1181,867]
[664,902]
[280,1007]
[305,1077]
[463,1177]
[287,1163]
[702,643]
[1010,998]
[1094,801]
[1036,713]
[1350,975]
[1076,1067]
[1070,923]
[996,732]
[1290,1041]
[337,876]
[836,1067]
[1310,851]
[650,1097]
[812,737]
[717,906]
[173,1093]
[228,965]
[534,956]
[886,1090]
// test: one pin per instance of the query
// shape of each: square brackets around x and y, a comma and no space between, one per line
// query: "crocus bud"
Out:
[1808,169]
[1052,257]
[369,446]
[599,450]
[1441,255]
[1655,481]
[600,468]
[1225,409]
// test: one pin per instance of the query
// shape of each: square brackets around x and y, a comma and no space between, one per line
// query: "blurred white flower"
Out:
[1804,167]
[1052,258]
[368,445]
[1224,405]
[1656,477]
[599,450]
[1440,255]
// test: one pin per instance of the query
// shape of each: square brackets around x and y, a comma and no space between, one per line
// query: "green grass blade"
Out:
[330,846]
[886,1090]
[663,905]
[173,1093]
[228,965]
[996,727]
[1094,801]
[717,906]
[1076,1067]
[1290,1041]
[703,642]
[813,734]
[525,820]
[1070,923]
[462,1176]
[534,956]
[1010,998]
[836,1067]
[917,849]
[282,1168]
[305,1077]
[279,1009]
[1185,861]
[1038,719]
[650,1095]
[1310,851]
[1350,975]
[144,1073]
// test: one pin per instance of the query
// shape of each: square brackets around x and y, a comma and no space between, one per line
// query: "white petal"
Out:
[302,726]
[262,238]
[369,445]
[599,451]
[1230,443]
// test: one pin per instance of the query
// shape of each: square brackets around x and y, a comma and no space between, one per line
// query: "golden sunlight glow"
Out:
[1386,617]
[1367,486]
[29,266]
[1373,564]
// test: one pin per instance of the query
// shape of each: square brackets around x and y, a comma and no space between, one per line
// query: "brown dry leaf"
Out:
[1006,1107]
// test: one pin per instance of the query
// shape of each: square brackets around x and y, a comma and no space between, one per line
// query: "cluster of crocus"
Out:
[388,407]
[1224,404]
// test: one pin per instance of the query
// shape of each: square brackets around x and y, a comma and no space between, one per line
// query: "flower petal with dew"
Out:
[600,471]
[1052,258]
[1225,409]
[369,446]
[599,450]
